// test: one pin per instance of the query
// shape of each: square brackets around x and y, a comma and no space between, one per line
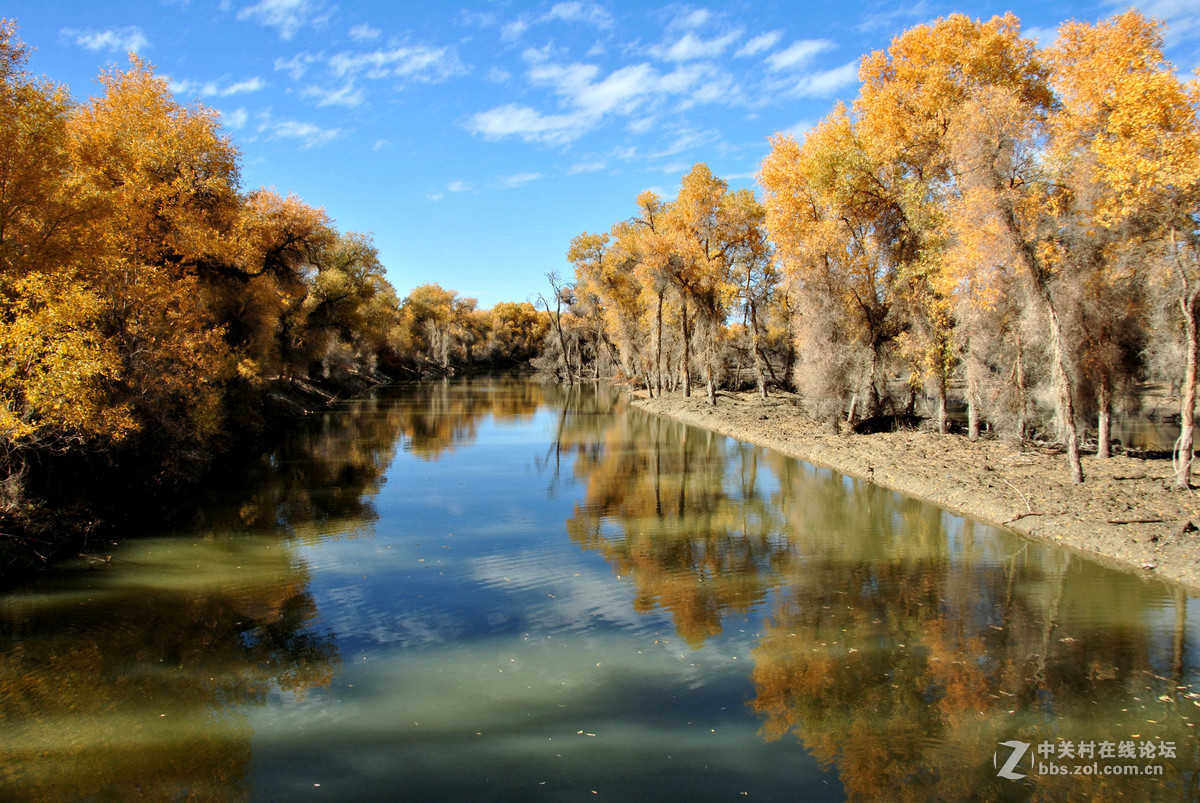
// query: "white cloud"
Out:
[519,180]
[642,125]
[347,95]
[211,89]
[825,83]
[235,119]
[685,140]
[575,11]
[498,76]
[364,33]
[532,126]
[690,47]
[798,55]
[249,85]
[309,135]
[760,43]
[475,19]
[894,17]
[114,40]
[424,63]
[587,167]
[296,65]
[286,16]
[435,196]
[513,30]
[380,144]
[691,19]
[458,186]
[587,98]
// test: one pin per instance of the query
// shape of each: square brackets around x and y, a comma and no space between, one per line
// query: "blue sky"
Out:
[475,139]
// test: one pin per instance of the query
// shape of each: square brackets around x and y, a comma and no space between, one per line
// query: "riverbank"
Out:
[73,505]
[1126,511]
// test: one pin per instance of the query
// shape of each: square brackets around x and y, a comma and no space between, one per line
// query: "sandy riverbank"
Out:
[1126,511]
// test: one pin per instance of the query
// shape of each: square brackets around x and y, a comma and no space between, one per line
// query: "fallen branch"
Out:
[1136,521]
[1028,506]
[1022,516]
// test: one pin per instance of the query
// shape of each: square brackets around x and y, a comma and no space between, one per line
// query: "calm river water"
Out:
[501,590]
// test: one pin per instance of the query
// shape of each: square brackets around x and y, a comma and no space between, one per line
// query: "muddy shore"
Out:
[1126,513]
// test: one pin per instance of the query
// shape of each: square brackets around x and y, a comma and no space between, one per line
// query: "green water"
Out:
[500,590]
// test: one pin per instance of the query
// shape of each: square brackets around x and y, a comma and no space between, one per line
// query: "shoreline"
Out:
[1126,513]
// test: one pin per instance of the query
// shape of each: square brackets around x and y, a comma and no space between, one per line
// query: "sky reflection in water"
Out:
[506,590]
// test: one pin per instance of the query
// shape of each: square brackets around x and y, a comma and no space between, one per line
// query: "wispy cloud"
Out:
[587,97]
[519,180]
[587,167]
[511,31]
[530,125]
[823,84]
[759,44]
[588,13]
[235,119]
[287,16]
[574,11]
[364,33]
[690,19]
[894,16]
[798,55]
[309,135]
[417,62]
[297,65]
[212,89]
[129,39]
[690,47]
[347,95]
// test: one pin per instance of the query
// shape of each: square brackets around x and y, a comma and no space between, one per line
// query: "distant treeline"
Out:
[150,309]
[1017,222]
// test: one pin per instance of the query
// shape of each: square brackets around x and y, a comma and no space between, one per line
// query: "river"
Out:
[496,589]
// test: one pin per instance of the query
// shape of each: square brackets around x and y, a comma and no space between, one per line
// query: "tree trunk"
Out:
[758,356]
[1058,351]
[1066,400]
[1019,371]
[712,385]
[1104,420]
[1187,406]
[658,346]
[687,351]
[562,342]
[943,419]
[972,394]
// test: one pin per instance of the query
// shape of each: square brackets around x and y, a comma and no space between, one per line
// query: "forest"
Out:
[154,313]
[989,221]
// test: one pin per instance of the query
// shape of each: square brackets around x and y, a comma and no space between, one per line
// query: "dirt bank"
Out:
[1126,511]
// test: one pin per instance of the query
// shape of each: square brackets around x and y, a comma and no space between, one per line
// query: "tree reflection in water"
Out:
[902,644]
[135,680]
[137,685]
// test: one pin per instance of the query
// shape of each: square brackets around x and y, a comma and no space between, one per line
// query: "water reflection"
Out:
[901,645]
[512,628]
[678,510]
[437,417]
[135,685]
